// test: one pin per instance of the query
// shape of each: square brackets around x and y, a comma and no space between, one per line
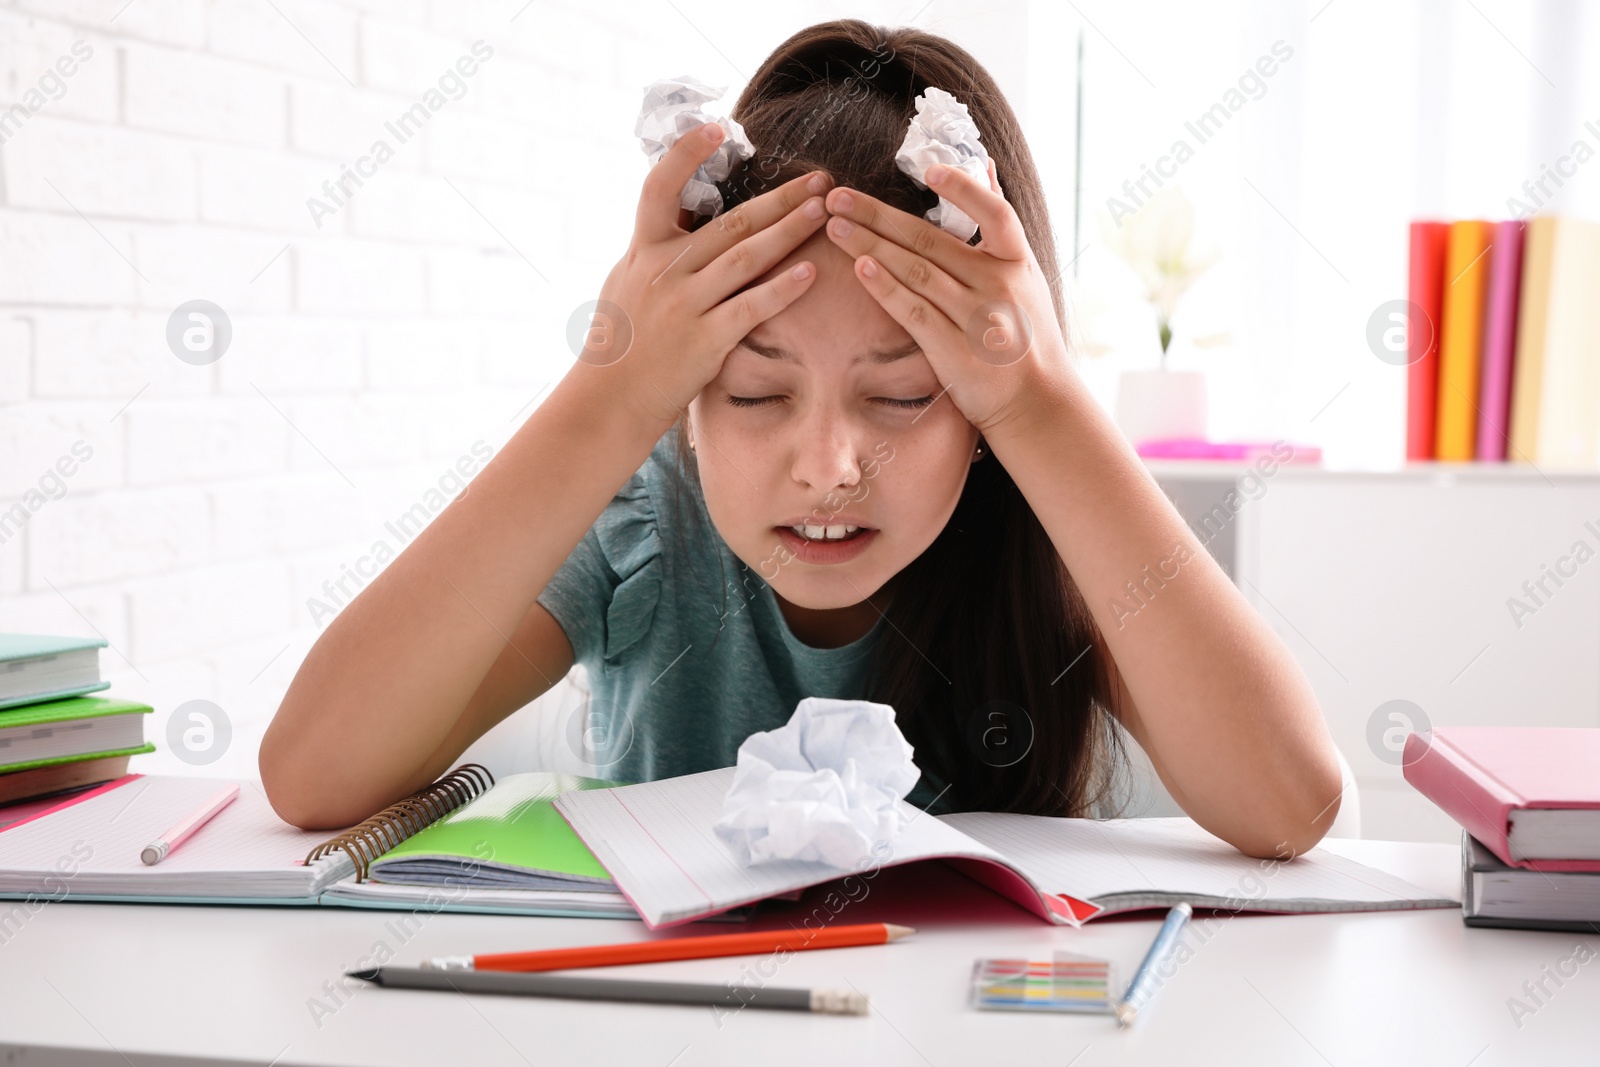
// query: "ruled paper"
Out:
[656,840]
[92,847]
[1135,863]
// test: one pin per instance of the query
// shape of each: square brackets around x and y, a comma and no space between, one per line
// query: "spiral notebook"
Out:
[464,843]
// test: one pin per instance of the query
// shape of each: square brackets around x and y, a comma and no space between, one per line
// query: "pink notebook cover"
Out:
[1499,340]
[1478,774]
[24,812]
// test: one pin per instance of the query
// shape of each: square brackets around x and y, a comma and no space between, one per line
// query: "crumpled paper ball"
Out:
[943,132]
[672,107]
[825,787]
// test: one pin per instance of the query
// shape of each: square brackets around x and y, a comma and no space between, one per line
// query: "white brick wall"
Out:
[368,353]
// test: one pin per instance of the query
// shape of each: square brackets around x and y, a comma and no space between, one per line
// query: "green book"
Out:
[511,837]
[39,734]
[35,667]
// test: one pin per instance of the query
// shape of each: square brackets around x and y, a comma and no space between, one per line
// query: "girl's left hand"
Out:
[982,313]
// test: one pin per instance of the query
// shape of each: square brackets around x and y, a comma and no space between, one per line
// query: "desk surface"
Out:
[136,984]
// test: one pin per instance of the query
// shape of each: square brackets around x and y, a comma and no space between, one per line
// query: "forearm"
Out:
[387,682]
[379,702]
[1224,711]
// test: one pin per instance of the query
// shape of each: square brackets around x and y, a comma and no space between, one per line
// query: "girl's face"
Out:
[828,415]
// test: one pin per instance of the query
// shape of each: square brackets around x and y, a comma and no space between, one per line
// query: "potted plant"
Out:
[1156,241]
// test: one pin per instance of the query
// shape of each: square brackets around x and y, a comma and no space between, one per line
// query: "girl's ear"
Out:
[686,424]
[977,453]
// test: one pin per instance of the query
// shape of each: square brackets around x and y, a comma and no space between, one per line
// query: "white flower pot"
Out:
[1155,404]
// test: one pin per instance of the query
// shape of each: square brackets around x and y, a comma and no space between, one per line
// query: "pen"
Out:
[158,849]
[676,948]
[1144,981]
[828,1001]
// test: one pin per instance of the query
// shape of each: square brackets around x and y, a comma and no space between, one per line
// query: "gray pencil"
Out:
[831,1001]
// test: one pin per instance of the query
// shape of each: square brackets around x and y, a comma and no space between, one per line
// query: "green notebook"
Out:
[35,667]
[60,730]
[511,837]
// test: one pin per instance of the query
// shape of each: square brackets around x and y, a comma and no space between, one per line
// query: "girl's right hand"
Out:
[674,290]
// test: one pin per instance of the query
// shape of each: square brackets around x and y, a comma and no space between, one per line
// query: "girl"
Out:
[818,446]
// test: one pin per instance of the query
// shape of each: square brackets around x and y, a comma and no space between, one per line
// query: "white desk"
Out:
[99,984]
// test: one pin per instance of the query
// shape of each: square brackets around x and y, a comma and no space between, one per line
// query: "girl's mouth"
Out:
[826,544]
[833,532]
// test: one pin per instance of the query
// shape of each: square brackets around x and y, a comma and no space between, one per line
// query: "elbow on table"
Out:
[309,810]
[1288,840]
[1303,817]
[296,793]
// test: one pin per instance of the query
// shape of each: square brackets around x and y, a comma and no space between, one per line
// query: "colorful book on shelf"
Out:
[657,839]
[1426,291]
[61,731]
[1466,280]
[476,846]
[1555,393]
[35,667]
[1499,340]
[1530,794]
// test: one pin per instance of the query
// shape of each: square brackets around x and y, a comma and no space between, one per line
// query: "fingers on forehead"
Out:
[870,211]
[792,193]
[764,210]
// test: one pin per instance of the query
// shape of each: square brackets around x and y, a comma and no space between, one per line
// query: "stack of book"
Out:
[1503,343]
[1528,801]
[53,738]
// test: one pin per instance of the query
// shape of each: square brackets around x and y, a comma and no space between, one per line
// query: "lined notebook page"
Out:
[92,847]
[1122,864]
[656,839]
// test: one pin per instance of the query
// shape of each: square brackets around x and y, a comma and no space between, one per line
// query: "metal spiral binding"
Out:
[367,841]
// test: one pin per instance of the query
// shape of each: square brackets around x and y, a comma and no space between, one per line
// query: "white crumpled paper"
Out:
[671,108]
[824,787]
[943,132]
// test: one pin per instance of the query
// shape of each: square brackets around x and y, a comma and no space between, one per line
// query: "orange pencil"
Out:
[675,948]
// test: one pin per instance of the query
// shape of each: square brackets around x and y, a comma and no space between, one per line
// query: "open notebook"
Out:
[506,850]
[465,848]
[657,841]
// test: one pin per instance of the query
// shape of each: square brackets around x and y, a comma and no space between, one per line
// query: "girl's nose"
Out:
[825,453]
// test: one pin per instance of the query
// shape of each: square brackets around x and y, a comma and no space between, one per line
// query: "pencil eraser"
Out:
[839,1001]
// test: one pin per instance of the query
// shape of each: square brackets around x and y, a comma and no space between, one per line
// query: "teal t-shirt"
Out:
[685,647]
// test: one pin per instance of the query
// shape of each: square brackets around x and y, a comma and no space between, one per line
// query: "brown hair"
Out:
[993,666]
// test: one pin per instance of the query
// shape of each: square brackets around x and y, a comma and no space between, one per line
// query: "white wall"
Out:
[371,353]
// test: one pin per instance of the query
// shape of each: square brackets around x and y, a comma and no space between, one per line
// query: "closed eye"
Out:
[893,402]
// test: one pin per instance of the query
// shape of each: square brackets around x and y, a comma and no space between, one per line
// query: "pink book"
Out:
[1499,340]
[1530,794]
